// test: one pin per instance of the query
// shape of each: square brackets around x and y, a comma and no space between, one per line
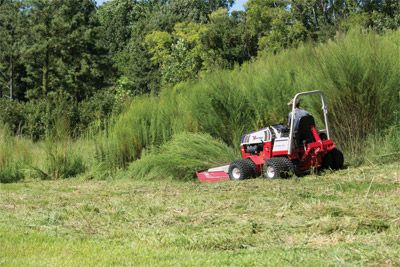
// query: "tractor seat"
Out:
[304,131]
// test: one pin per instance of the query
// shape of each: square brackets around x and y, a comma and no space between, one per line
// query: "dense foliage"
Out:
[81,54]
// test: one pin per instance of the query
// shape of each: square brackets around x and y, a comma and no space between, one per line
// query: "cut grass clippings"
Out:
[349,217]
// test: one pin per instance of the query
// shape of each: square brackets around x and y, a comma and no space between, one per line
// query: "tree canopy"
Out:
[81,52]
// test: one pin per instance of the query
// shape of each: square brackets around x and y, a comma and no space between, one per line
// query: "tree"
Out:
[139,74]
[64,52]
[179,55]
[140,37]
[228,40]
[158,44]
[168,13]
[12,33]
[180,65]
[276,24]
[284,32]
[117,18]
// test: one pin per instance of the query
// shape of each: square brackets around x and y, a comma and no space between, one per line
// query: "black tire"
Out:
[240,170]
[327,161]
[255,172]
[337,159]
[334,160]
[279,167]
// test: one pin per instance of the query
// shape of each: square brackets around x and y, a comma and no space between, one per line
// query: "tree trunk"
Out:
[315,19]
[45,77]
[11,83]
[3,85]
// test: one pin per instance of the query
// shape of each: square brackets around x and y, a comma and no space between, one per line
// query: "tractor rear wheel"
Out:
[337,159]
[240,170]
[334,160]
[279,167]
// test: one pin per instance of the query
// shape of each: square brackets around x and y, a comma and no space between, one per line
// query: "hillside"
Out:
[350,217]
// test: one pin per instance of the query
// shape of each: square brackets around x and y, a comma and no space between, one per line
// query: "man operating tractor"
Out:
[298,114]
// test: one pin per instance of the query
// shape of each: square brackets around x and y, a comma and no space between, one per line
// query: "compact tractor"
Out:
[279,151]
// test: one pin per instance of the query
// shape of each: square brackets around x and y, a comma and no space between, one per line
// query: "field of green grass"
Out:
[347,218]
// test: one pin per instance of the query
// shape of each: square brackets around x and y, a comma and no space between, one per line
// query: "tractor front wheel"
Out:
[240,170]
[278,168]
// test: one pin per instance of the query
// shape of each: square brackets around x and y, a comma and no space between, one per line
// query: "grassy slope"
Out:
[351,216]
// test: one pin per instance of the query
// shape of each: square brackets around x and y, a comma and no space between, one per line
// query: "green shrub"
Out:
[62,158]
[36,124]
[12,114]
[181,157]
[150,121]
[94,112]
[42,115]
[65,165]
[10,173]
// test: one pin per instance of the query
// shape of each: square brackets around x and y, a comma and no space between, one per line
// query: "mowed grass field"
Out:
[347,218]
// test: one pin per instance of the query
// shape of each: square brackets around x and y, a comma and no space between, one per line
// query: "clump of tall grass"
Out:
[15,155]
[62,162]
[63,159]
[384,146]
[181,157]
[360,74]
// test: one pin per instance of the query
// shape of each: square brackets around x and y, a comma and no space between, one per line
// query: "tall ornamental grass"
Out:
[15,156]
[359,73]
[384,147]
[63,158]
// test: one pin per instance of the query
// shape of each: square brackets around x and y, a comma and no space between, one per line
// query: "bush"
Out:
[62,158]
[94,112]
[181,157]
[12,114]
[10,173]
[64,164]
[36,124]
[42,115]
